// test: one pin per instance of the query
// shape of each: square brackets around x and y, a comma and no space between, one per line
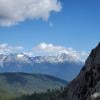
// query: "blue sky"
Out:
[76,25]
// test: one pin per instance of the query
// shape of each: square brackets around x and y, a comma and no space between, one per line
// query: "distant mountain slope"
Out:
[16,84]
[62,65]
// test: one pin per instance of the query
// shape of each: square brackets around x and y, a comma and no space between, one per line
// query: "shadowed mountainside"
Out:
[86,86]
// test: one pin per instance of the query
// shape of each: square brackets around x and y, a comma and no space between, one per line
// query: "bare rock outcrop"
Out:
[87,83]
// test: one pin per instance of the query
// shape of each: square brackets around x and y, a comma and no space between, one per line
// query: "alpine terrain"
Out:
[86,86]
[59,66]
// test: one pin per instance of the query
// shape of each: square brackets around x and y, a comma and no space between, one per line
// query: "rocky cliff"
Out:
[86,86]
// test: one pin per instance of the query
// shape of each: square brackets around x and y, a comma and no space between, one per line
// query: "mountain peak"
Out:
[99,44]
[67,57]
[94,57]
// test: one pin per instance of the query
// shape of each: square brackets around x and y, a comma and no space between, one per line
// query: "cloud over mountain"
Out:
[44,49]
[5,48]
[14,11]
[50,49]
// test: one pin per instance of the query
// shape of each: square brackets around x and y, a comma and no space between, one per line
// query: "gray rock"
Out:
[87,82]
[95,96]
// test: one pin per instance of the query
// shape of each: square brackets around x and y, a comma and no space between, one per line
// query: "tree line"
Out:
[54,94]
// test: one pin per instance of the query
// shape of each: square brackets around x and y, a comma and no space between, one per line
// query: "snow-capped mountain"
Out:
[61,65]
[60,58]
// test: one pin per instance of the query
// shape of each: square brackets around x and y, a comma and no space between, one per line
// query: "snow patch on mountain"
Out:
[2,57]
[22,58]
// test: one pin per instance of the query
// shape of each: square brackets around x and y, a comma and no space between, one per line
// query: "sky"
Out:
[72,25]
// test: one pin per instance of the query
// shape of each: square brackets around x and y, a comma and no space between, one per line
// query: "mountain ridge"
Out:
[86,86]
[17,84]
[51,65]
[59,58]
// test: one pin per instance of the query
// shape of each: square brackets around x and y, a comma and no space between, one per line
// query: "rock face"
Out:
[86,86]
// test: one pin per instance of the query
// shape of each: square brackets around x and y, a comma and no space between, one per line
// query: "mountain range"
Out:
[62,65]
[86,86]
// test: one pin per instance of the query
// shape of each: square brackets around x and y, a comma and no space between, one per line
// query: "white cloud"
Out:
[14,11]
[5,49]
[44,49]
[50,49]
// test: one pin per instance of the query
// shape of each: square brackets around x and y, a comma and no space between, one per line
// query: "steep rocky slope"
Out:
[86,86]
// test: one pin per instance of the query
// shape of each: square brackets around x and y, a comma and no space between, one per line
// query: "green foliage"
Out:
[14,85]
[54,94]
